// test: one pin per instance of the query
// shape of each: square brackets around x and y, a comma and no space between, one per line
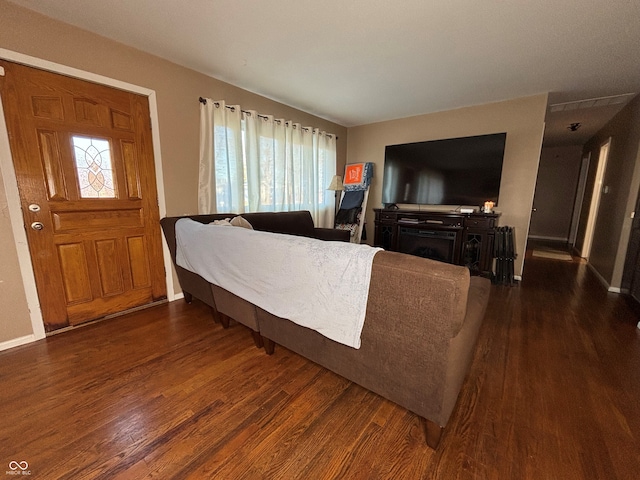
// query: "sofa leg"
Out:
[215,314]
[269,345]
[188,298]
[219,317]
[432,432]
[257,339]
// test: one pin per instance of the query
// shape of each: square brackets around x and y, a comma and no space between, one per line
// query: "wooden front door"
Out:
[84,165]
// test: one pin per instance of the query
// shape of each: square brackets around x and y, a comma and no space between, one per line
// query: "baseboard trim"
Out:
[598,276]
[16,342]
[603,281]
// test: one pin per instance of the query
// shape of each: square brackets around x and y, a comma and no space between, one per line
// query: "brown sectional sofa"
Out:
[419,334]
[224,304]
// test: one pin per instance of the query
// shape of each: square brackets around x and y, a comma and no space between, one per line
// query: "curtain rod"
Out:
[232,108]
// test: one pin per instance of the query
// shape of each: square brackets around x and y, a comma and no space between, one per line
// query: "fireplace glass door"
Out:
[428,243]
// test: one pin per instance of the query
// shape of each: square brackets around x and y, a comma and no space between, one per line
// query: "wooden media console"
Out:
[452,237]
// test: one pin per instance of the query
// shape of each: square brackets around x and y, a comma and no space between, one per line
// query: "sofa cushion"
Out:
[293,223]
[223,223]
[240,221]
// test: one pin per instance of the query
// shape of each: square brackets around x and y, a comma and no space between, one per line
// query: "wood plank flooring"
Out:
[553,393]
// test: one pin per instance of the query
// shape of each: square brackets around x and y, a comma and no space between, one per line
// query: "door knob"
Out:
[37,225]
[534,209]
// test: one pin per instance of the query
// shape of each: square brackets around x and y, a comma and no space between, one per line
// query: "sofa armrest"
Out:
[332,234]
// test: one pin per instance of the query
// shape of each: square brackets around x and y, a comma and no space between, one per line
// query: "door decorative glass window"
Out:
[94,167]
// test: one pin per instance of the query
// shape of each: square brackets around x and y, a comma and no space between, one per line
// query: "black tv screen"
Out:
[454,171]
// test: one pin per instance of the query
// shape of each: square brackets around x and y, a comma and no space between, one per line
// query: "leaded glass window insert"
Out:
[94,167]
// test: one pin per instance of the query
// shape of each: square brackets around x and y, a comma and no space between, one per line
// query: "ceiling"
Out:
[362,61]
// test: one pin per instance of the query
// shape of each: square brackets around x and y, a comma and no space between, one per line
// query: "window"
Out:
[94,167]
[264,164]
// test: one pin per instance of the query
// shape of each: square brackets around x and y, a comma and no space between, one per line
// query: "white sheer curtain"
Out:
[221,174]
[254,163]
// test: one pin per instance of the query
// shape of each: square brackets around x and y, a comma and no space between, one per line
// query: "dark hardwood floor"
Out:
[553,393]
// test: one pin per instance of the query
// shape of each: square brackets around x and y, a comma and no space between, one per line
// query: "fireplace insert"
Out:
[428,243]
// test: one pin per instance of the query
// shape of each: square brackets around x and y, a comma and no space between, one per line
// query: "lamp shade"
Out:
[336,184]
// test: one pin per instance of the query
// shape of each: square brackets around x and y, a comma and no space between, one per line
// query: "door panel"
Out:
[51,158]
[138,262]
[75,272]
[111,278]
[90,220]
[83,153]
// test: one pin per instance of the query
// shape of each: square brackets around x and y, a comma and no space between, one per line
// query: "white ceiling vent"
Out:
[591,103]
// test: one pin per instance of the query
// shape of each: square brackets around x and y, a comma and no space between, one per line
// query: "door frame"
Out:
[13,197]
[579,198]
[594,208]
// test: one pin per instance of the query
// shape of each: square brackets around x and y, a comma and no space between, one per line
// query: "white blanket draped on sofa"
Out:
[317,284]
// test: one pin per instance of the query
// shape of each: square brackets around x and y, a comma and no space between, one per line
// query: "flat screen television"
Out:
[454,171]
